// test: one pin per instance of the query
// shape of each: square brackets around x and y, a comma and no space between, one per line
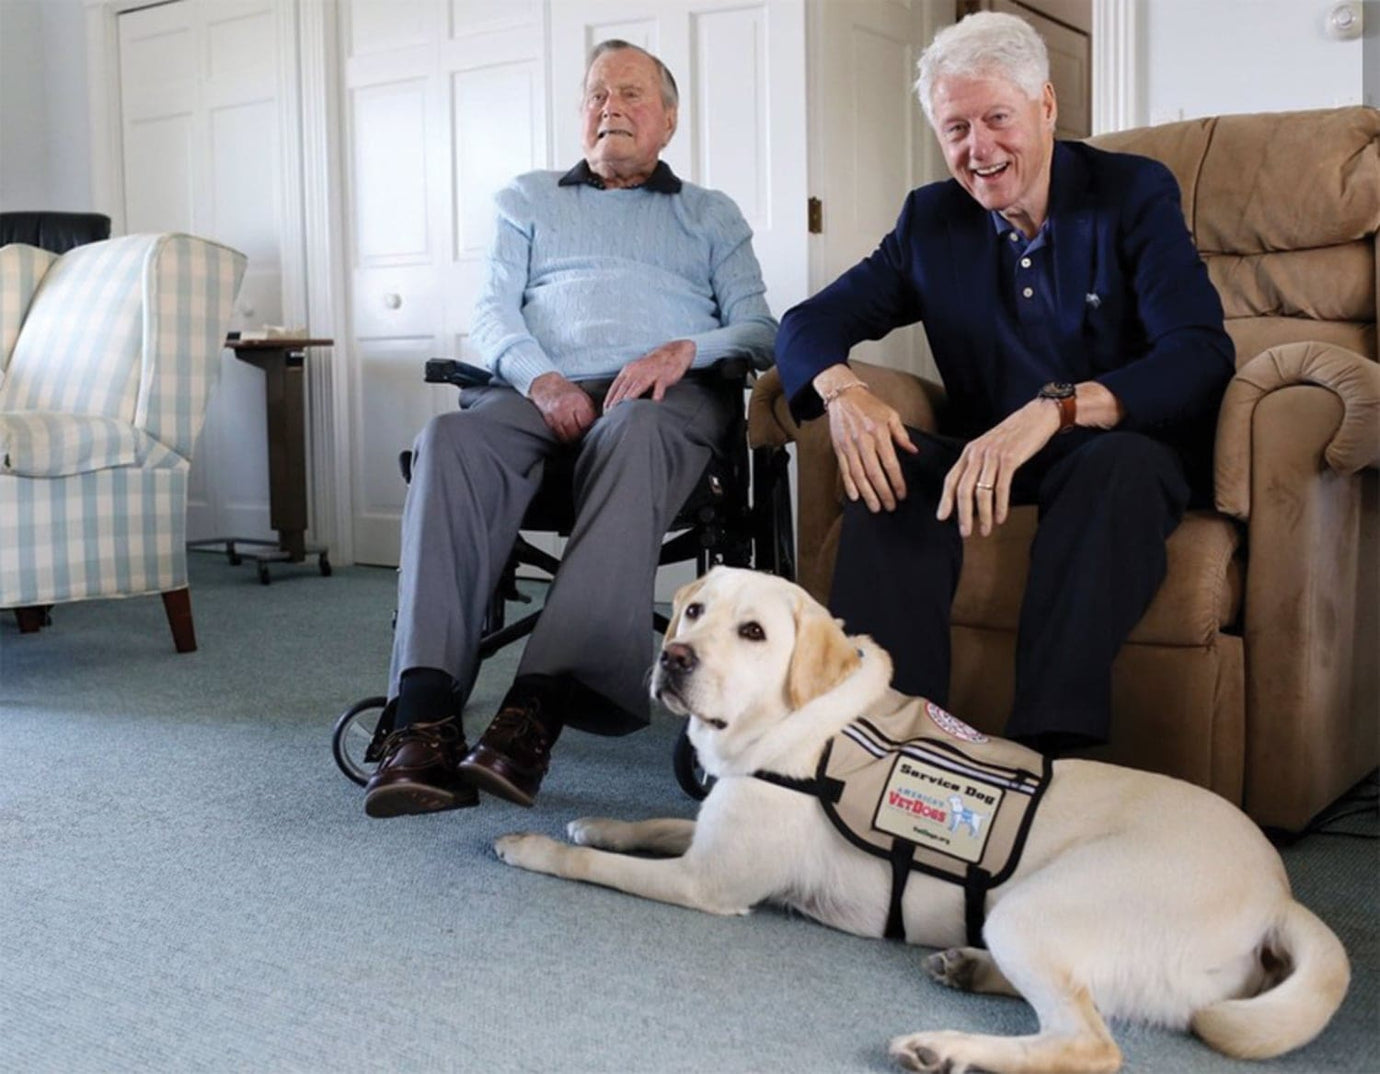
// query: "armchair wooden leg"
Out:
[33,618]
[178,604]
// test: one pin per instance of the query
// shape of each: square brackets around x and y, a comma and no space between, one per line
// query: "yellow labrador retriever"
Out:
[1136,896]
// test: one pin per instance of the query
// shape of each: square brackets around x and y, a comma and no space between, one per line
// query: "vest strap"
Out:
[821,787]
[902,854]
[975,887]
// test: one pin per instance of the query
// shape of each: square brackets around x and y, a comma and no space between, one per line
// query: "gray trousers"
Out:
[475,470]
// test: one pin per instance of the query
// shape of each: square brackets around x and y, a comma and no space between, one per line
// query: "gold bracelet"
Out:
[830,396]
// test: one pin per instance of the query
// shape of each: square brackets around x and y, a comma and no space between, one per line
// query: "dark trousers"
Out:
[1107,503]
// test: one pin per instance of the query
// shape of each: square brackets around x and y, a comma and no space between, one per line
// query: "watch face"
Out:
[1057,390]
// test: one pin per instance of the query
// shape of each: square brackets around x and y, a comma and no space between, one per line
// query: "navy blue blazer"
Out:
[1135,308]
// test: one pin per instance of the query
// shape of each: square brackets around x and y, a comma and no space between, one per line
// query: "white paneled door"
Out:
[201,151]
[443,103]
[871,144]
[446,101]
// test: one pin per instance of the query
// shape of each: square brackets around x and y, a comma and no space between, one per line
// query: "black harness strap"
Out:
[902,854]
[977,882]
[975,887]
[821,787]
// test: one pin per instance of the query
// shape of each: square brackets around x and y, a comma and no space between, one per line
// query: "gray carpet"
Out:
[188,884]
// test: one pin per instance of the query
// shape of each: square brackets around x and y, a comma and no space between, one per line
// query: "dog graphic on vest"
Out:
[961,814]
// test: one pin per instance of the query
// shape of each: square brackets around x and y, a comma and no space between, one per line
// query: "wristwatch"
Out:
[1065,396]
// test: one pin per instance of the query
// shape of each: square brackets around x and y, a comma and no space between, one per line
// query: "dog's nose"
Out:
[678,657]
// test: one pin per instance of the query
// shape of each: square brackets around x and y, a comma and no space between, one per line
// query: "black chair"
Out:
[57,232]
[739,514]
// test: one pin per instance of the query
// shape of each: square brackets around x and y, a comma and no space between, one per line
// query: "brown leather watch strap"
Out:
[1068,412]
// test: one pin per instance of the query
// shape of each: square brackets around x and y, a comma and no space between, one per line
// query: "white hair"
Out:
[670,93]
[985,43]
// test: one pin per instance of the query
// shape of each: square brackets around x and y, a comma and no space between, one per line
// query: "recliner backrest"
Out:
[1285,209]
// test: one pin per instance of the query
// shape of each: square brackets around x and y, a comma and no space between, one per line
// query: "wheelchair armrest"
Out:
[461,374]
[734,367]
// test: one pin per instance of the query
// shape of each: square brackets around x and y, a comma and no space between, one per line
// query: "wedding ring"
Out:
[989,488]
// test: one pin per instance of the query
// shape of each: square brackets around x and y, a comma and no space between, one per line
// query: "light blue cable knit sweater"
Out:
[583,281]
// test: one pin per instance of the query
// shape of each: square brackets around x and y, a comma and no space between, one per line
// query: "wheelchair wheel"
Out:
[693,779]
[355,732]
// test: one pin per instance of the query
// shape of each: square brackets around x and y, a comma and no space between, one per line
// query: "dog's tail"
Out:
[1294,1011]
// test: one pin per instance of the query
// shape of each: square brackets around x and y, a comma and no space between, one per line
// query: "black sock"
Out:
[425,695]
[551,692]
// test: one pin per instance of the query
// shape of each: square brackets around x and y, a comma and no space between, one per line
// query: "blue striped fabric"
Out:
[111,533]
[86,364]
[43,443]
[105,392]
[21,269]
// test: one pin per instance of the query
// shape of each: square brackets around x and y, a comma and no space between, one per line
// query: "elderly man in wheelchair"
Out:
[611,293]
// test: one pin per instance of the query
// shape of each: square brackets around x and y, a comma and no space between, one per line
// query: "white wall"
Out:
[45,151]
[1225,56]
[1198,58]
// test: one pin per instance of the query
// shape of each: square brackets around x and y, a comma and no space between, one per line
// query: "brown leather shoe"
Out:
[419,773]
[512,756]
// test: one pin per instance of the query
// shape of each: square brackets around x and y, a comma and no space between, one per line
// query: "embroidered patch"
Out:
[952,725]
[936,808]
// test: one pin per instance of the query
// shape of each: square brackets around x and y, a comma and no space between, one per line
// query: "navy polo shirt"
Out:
[1027,289]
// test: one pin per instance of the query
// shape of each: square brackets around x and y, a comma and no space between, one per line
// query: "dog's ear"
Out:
[822,659]
[684,595]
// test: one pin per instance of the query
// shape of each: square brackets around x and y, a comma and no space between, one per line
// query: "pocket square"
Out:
[1092,299]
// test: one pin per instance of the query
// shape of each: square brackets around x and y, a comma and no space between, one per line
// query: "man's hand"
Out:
[980,482]
[656,371]
[865,433]
[566,409]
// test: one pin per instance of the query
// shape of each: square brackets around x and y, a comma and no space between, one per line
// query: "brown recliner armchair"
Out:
[1255,670]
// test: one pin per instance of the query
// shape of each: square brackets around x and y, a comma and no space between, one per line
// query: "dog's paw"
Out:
[594,832]
[930,1053]
[527,850]
[954,968]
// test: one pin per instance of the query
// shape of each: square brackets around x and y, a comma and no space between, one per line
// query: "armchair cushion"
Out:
[1201,595]
[44,443]
[86,364]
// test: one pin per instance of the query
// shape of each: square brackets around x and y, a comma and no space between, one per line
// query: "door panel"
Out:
[199,98]
[870,145]
[1066,26]
[445,104]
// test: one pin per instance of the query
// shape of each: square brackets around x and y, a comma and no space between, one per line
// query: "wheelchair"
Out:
[739,514]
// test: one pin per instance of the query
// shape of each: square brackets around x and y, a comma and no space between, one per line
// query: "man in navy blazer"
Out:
[1083,354]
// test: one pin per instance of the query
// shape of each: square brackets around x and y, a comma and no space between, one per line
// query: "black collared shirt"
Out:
[662,180]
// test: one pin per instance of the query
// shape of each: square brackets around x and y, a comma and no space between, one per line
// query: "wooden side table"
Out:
[284,364]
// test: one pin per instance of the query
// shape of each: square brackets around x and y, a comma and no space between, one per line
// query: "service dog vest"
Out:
[925,791]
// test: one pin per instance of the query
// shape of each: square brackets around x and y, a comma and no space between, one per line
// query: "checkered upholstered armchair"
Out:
[107,356]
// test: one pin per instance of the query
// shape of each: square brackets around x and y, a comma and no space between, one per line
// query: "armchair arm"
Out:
[919,402]
[770,424]
[1349,445]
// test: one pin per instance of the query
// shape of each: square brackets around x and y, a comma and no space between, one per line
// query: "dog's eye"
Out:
[752,631]
[693,611]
